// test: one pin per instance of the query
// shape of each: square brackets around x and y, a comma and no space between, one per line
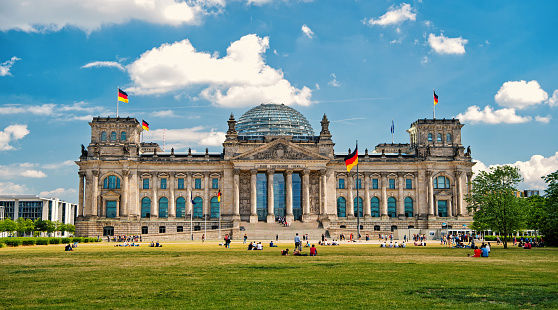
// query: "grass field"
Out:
[208,276]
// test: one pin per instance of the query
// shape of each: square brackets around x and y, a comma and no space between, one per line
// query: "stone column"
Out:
[236,194]
[306,195]
[400,199]
[154,199]
[80,210]
[450,205]
[383,202]
[253,196]
[430,192]
[459,184]
[323,191]
[189,206]
[350,205]
[469,189]
[125,193]
[289,191]
[270,200]
[172,202]
[95,194]
[367,210]
[206,202]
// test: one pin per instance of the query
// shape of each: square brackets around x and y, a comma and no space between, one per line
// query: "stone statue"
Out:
[155,151]
[189,152]
[172,151]
[469,150]
[126,150]
[83,151]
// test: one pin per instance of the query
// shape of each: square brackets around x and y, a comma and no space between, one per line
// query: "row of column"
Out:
[457,200]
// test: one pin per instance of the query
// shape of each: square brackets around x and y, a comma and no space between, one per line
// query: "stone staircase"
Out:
[267,231]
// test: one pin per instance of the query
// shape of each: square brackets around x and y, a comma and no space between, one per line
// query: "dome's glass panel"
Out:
[273,119]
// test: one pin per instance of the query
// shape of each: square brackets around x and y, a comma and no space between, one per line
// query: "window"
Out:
[108,231]
[442,208]
[162,229]
[448,138]
[358,208]
[408,183]
[391,183]
[358,184]
[30,210]
[145,184]
[180,207]
[144,230]
[374,183]
[214,208]
[111,208]
[197,183]
[441,182]
[392,207]
[341,207]
[214,183]
[198,207]
[341,183]
[377,228]
[123,136]
[179,228]
[163,183]
[145,207]
[103,136]
[180,183]
[113,136]
[439,139]
[375,207]
[429,137]
[393,227]
[111,182]
[409,207]
[297,196]
[163,207]
[50,210]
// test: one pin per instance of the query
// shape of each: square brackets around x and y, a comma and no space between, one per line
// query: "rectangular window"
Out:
[341,183]
[145,184]
[357,184]
[144,230]
[163,183]
[391,183]
[197,183]
[180,183]
[374,183]
[162,229]
[214,183]
[111,208]
[408,184]
[179,228]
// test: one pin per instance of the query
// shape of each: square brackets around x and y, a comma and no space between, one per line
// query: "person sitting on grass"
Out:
[259,246]
[285,252]
[307,245]
[313,251]
[484,251]
[271,245]
[250,246]
[68,248]
[157,245]
[152,245]
[403,245]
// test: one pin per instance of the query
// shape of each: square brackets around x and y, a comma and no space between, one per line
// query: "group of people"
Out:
[124,238]
[393,245]
[155,245]
[385,237]
[297,252]
[255,246]
[528,243]
[126,243]
[482,252]
[282,220]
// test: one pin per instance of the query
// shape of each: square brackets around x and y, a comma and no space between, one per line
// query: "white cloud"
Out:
[553,101]
[424,60]
[334,82]
[543,119]
[61,193]
[9,188]
[11,134]
[33,174]
[20,170]
[7,65]
[108,64]
[307,31]
[60,111]
[241,78]
[90,15]
[165,113]
[475,115]
[520,94]
[67,163]
[444,45]
[182,138]
[394,15]
[45,109]
[258,2]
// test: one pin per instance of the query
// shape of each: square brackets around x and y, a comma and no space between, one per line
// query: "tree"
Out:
[61,227]
[535,211]
[549,221]
[40,225]
[70,228]
[25,225]
[50,227]
[494,201]
[9,225]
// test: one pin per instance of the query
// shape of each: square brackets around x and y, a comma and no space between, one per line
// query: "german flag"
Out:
[219,196]
[144,125]
[122,96]
[351,160]
[435,98]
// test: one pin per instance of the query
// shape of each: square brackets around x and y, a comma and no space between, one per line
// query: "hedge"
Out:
[42,241]
[66,240]
[29,241]
[54,240]
[2,245]
[85,239]
[77,239]
[13,241]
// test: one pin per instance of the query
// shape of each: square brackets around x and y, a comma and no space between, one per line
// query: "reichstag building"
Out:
[273,165]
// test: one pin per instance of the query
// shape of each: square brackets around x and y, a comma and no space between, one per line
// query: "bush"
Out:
[2,244]
[92,239]
[54,240]
[85,239]
[28,241]
[66,240]
[13,241]
[41,241]
[77,239]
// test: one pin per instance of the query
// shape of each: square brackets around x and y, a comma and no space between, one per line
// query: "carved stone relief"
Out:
[280,151]
[315,192]
[244,188]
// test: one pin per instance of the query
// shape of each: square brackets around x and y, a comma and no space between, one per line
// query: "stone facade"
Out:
[421,184]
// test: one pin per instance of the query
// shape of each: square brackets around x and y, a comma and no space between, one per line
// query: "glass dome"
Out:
[273,119]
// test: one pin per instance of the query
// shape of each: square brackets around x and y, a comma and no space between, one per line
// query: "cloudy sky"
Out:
[187,65]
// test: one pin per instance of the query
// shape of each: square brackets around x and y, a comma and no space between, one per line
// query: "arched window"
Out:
[180,207]
[103,136]
[341,205]
[111,182]
[198,207]
[441,182]
[163,207]
[439,138]
[359,206]
[409,207]
[214,205]
[392,207]
[123,136]
[375,207]
[145,207]
[113,136]
[429,137]
[448,137]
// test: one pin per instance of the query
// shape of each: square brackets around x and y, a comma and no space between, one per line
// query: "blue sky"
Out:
[187,65]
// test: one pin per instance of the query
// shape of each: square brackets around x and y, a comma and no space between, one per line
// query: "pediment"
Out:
[280,149]
[443,194]
[110,195]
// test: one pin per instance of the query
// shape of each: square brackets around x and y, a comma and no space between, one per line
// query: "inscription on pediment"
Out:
[280,151]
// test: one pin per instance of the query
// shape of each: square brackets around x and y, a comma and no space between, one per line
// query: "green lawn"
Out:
[195,276]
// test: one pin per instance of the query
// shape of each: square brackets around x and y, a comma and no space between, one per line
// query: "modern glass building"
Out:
[275,120]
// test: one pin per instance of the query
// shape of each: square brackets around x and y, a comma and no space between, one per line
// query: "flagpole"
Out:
[433,107]
[118,92]
[358,198]
[392,130]
[191,214]
[220,220]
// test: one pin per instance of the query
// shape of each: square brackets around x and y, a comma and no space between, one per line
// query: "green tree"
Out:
[50,226]
[70,228]
[61,227]
[535,211]
[549,221]
[9,225]
[25,225]
[40,225]
[494,201]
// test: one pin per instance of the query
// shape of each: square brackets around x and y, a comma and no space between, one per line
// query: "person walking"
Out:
[297,242]
[245,237]
[203,238]
[277,237]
